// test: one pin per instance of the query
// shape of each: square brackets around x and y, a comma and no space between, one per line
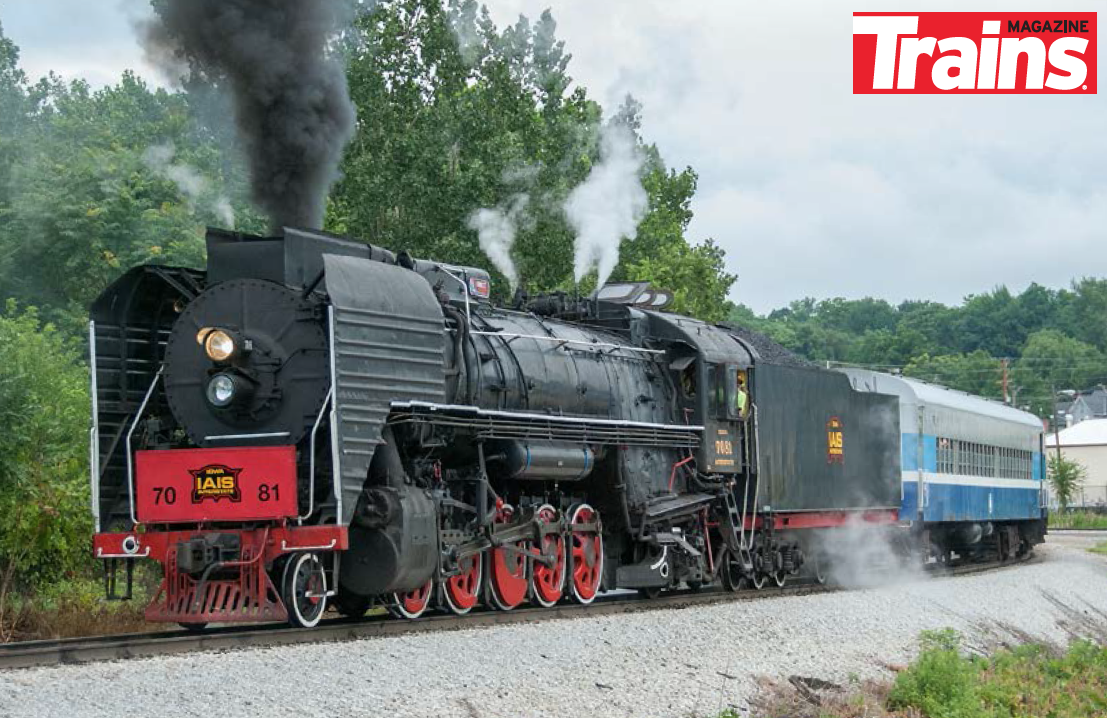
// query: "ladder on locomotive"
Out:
[737,517]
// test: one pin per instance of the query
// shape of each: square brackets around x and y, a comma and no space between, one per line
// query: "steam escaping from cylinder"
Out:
[608,205]
[861,555]
[189,181]
[496,229]
[291,104]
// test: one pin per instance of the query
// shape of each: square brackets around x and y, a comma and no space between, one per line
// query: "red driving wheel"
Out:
[413,603]
[548,580]
[507,570]
[463,590]
[586,552]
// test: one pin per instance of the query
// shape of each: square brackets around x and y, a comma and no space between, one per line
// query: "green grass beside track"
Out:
[1078,520]
[1030,681]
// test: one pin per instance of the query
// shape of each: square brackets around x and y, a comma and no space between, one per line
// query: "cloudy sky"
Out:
[812,191]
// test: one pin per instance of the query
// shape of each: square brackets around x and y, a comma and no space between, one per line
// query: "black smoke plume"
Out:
[291,103]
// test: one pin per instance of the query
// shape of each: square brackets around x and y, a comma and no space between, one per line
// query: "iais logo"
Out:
[974,53]
[215,482]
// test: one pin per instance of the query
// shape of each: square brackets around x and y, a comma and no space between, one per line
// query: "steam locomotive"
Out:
[315,421]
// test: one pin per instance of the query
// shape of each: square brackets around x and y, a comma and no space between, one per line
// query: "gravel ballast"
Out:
[690,662]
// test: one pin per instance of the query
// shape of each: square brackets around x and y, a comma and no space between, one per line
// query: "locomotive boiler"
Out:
[315,421]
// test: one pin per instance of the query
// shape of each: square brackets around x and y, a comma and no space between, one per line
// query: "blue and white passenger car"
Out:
[973,469]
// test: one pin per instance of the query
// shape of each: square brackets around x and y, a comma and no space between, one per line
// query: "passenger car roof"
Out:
[921,392]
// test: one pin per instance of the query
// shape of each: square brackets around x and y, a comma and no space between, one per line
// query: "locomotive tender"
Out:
[316,421]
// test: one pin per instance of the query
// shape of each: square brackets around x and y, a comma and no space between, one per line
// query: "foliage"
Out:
[74,607]
[1065,476]
[941,683]
[1048,338]
[975,372]
[1028,681]
[458,114]
[43,477]
[1077,520]
[80,202]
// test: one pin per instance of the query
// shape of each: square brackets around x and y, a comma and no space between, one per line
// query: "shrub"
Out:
[941,683]
[44,492]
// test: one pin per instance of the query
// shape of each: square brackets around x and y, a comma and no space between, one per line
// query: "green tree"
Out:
[458,115]
[85,203]
[44,490]
[1051,361]
[14,111]
[1082,312]
[975,373]
[1065,477]
[80,200]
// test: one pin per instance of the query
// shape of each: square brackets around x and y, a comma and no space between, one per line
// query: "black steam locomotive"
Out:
[317,421]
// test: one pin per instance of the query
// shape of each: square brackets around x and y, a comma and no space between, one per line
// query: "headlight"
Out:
[221,390]
[218,345]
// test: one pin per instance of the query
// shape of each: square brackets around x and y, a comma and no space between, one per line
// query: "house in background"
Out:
[1086,444]
[1084,405]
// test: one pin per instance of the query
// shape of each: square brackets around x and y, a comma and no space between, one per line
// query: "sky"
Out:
[811,190]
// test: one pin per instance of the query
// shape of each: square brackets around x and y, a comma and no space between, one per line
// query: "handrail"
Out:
[464,288]
[100,554]
[336,457]
[311,457]
[326,547]
[94,430]
[561,341]
[130,434]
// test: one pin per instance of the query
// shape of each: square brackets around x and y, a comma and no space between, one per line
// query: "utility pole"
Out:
[1056,424]
[1006,396]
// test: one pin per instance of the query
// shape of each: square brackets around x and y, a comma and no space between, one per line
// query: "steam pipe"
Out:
[461,357]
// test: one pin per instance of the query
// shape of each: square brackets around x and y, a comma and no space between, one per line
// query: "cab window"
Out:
[729,396]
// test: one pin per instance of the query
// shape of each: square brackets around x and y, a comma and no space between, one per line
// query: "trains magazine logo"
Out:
[835,442]
[936,53]
[215,482]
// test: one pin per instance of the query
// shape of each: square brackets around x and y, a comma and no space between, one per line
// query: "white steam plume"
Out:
[608,205]
[496,229]
[863,555]
[194,186]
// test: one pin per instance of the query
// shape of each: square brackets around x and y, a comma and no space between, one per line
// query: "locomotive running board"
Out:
[493,424]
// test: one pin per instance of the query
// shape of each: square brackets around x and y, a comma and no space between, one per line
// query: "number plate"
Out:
[235,484]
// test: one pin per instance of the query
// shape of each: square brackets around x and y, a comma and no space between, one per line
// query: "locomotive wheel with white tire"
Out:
[506,571]
[462,591]
[548,579]
[304,589]
[585,553]
[412,604]
[819,565]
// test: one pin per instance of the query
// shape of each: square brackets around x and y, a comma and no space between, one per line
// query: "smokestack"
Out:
[291,104]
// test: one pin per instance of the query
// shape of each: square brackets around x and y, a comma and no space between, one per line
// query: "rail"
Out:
[145,645]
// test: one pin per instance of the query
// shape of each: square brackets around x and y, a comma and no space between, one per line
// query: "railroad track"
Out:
[69,651]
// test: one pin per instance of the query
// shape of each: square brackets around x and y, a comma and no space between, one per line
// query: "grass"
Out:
[74,608]
[1078,520]
[1030,681]
[1100,548]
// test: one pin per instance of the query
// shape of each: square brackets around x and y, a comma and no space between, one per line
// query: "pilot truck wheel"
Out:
[304,590]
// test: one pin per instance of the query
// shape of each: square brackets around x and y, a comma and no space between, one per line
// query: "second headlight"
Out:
[222,389]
